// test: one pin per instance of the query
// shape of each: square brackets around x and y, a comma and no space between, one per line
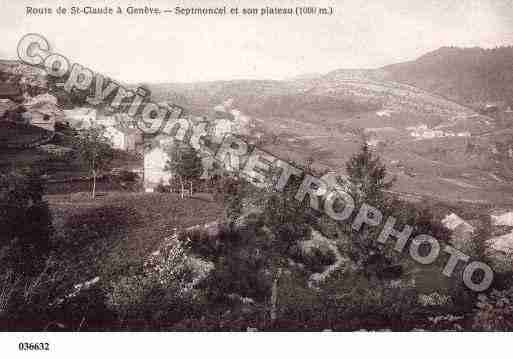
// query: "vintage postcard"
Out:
[255,166]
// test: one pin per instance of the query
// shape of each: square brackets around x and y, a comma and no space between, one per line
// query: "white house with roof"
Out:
[156,156]
[43,98]
[222,127]
[225,121]
[81,117]
[123,138]
[42,119]
[155,159]
[42,111]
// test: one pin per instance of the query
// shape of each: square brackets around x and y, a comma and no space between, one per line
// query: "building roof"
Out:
[127,130]
[43,98]
[45,108]
[80,111]
[51,116]
[153,152]
[224,115]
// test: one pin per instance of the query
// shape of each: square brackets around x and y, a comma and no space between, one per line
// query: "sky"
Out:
[172,48]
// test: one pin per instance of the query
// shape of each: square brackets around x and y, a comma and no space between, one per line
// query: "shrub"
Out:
[161,188]
[25,301]
[162,293]
[25,222]
[315,259]
[129,296]
[127,176]
[299,306]
[352,301]
[494,311]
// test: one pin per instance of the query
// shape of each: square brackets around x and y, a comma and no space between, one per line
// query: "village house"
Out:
[155,160]
[80,118]
[242,123]
[123,138]
[41,111]
[107,120]
[107,116]
[156,155]
[221,128]
[423,132]
[42,119]
[384,113]
[42,98]
[44,114]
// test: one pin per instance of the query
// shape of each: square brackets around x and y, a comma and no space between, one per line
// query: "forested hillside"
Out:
[466,75]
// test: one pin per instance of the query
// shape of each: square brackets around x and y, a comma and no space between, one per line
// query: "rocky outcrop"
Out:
[462,232]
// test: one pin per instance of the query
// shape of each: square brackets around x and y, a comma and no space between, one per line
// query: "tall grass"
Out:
[28,298]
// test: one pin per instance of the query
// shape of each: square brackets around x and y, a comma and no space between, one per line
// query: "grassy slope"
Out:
[108,236]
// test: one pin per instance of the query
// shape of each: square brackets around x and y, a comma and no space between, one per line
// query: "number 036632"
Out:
[33,346]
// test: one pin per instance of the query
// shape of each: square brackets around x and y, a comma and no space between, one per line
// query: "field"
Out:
[324,120]
[113,233]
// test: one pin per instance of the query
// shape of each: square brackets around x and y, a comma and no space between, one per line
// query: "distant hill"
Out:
[338,95]
[431,85]
[466,75]
[420,115]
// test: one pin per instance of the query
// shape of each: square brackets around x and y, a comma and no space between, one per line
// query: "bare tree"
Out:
[95,152]
[184,163]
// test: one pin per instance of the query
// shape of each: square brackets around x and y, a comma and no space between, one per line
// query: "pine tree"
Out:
[368,175]
[25,222]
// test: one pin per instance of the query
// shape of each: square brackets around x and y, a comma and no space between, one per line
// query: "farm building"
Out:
[107,116]
[42,119]
[44,114]
[41,114]
[123,138]
[80,118]
[222,127]
[43,98]
[107,120]
[242,123]
[155,159]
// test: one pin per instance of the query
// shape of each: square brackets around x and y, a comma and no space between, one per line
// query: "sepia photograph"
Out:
[327,167]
